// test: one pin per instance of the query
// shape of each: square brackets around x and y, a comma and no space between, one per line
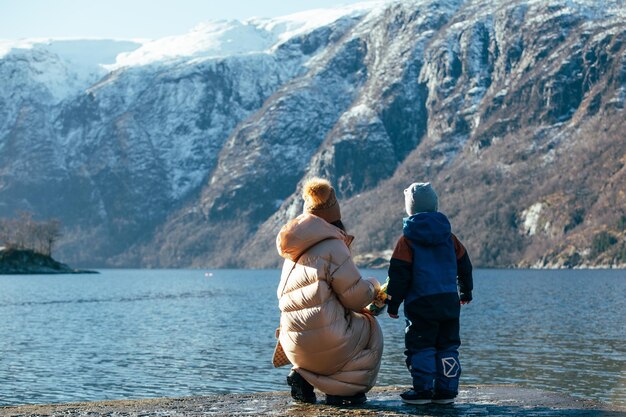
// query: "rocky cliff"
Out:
[513,110]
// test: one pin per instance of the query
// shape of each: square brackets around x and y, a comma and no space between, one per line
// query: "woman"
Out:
[331,344]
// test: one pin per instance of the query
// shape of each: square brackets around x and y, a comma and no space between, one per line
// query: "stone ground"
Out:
[476,400]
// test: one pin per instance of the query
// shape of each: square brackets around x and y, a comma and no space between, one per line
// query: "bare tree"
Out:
[50,232]
[4,233]
[23,232]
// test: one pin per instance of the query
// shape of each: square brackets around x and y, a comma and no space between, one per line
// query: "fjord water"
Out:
[127,334]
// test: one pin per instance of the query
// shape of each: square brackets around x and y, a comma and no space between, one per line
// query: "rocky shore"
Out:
[476,400]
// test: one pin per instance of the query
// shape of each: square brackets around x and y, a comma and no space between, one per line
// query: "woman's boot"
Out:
[301,390]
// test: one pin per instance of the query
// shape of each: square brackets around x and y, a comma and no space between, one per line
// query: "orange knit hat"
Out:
[320,200]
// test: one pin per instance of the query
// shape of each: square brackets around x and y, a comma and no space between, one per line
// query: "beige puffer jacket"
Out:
[332,345]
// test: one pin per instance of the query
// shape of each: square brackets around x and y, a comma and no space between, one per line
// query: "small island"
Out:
[27,261]
[26,247]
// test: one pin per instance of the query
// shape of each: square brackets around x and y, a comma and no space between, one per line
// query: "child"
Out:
[425,266]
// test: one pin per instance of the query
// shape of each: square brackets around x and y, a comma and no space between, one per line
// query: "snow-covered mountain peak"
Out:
[224,38]
[62,66]
[286,27]
[81,52]
[211,39]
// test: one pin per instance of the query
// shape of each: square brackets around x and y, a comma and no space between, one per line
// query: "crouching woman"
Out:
[331,344]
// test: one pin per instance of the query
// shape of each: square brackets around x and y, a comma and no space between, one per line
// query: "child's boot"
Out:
[416,397]
[443,397]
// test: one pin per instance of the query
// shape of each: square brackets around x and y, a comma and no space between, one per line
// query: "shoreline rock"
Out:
[473,400]
[381,261]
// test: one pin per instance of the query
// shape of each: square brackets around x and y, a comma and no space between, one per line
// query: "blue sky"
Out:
[134,18]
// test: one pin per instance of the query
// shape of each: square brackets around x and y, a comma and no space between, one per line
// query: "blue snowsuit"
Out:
[431,272]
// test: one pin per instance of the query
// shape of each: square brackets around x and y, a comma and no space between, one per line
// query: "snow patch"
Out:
[531,218]
[286,27]
[360,113]
[549,157]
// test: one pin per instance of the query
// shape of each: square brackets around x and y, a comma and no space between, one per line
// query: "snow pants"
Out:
[432,354]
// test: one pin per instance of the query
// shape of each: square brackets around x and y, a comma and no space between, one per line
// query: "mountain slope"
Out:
[514,111]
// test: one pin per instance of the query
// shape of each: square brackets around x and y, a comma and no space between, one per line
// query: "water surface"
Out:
[127,334]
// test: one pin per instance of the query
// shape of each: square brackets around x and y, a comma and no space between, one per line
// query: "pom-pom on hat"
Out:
[320,200]
[420,197]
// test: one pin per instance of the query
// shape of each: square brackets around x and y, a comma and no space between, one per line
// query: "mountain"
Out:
[190,151]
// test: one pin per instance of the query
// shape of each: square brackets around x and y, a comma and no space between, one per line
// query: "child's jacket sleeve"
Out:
[464,270]
[400,275]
